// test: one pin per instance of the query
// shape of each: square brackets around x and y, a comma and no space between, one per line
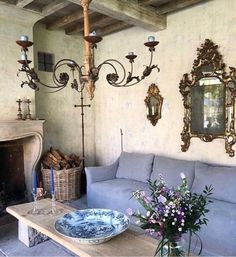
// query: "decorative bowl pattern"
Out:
[92,226]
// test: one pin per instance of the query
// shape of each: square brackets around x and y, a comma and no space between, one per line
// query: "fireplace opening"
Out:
[12,177]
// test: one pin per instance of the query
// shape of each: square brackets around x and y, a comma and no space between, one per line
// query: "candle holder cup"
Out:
[35,210]
[28,115]
[19,114]
[54,209]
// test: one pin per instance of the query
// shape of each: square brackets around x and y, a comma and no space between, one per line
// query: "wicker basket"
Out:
[67,183]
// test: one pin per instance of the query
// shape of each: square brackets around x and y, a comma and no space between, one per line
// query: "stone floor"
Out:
[11,246]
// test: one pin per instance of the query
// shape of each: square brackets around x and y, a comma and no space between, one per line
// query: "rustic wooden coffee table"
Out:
[128,243]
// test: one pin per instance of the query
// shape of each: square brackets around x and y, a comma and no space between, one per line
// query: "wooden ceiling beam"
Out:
[176,5]
[54,6]
[94,24]
[66,20]
[148,2]
[129,12]
[120,25]
[23,3]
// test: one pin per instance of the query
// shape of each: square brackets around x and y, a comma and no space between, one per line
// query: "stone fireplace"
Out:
[25,137]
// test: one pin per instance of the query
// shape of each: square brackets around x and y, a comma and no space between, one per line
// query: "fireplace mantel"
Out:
[31,134]
[14,129]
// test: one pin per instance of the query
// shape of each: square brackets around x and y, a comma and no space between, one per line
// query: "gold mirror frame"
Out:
[153,103]
[208,55]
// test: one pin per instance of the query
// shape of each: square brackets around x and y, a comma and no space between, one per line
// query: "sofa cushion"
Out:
[222,179]
[219,236]
[135,166]
[115,194]
[171,168]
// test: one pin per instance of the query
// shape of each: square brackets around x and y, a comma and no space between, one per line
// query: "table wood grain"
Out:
[129,243]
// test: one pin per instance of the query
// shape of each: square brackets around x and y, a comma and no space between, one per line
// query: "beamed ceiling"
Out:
[106,16]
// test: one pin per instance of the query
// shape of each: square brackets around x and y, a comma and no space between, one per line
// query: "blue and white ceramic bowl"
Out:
[92,226]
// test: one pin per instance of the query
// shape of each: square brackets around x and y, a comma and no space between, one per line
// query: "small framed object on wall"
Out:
[153,103]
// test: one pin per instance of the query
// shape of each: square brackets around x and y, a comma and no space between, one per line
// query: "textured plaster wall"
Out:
[11,27]
[63,121]
[124,107]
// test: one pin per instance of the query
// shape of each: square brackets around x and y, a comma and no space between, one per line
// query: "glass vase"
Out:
[171,248]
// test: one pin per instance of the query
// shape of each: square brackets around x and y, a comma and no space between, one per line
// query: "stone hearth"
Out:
[30,132]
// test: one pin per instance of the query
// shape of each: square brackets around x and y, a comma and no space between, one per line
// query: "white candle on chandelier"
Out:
[151,38]
[23,56]
[24,38]
[131,53]
[93,33]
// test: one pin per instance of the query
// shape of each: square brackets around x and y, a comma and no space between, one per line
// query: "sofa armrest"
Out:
[96,174]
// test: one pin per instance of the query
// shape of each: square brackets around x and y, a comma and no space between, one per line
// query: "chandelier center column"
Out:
[88,58]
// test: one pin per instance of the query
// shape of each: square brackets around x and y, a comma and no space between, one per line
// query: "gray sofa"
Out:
[112,186]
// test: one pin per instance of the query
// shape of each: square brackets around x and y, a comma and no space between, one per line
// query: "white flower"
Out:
[180,229]
[182,175]
[175,219]
[137,222]
[182,224]
[161,199]
[148,213]
[164,219]
[173,223]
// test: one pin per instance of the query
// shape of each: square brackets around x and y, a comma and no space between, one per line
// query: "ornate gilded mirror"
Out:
[153,103]
[209,99]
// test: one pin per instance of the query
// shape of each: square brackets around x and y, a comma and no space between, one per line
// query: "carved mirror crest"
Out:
[209,99]
[153,103]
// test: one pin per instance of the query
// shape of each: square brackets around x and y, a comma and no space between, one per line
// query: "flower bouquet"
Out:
[171,213]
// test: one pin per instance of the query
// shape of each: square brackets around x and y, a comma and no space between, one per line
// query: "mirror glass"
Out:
[208,106]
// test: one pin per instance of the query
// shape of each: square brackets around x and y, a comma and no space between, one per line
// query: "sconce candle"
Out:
[52,181]
[153,110]
[151,38]
[131,53]
[24,38]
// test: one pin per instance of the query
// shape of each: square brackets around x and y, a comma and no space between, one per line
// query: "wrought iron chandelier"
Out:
[88,73]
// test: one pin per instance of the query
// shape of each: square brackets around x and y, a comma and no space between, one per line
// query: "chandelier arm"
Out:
[63,77]
[150,64]
[113,77]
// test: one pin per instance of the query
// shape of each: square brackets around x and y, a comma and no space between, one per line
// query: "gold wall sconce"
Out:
[153,103]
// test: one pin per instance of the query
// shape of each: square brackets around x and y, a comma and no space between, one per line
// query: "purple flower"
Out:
[130,211]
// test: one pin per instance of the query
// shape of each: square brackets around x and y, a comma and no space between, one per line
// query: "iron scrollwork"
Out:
[153,103]
[209,99]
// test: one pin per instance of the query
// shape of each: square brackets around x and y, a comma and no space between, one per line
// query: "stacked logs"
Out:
[59,160]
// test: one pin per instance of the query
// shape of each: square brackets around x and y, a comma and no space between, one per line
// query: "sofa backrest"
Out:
[222,178]
[171,168]
[135,166]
